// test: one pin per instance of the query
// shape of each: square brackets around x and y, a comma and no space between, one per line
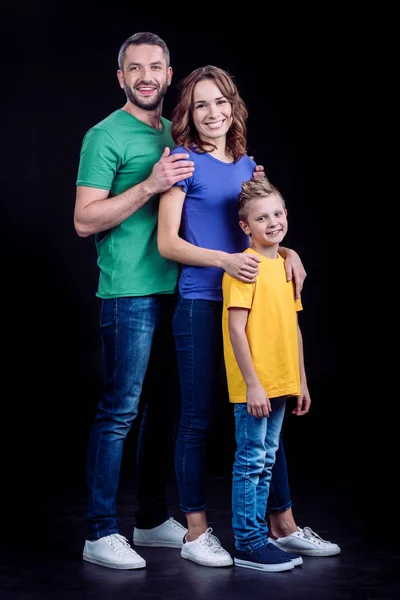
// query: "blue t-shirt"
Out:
[210,218]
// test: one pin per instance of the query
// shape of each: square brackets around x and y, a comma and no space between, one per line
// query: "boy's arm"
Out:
[304,400]
[258,403]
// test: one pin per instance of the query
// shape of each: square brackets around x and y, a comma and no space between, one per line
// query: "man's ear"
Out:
[120,76]
[169,76]
[245,227]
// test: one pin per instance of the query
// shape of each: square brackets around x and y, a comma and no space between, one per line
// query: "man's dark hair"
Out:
[142,38]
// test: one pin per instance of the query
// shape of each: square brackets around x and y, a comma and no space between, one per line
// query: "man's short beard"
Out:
[146,105]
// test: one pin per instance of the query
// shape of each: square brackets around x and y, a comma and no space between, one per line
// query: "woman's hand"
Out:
[242,266]
[294,269]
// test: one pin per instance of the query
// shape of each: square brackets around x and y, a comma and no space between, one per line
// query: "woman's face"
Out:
[212,113]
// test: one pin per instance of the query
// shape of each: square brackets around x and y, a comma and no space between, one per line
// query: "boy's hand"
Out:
[303,402]
[258,403]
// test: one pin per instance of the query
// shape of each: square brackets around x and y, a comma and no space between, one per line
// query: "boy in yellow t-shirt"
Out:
[264,362]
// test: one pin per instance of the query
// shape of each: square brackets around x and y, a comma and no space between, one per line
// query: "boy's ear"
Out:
[245,227]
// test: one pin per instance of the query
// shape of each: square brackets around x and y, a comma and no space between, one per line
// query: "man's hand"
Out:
[258,403]
[258,172]
[169,170]
[303,402]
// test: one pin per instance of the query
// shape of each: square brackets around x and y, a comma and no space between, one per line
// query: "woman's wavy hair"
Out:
[183,130]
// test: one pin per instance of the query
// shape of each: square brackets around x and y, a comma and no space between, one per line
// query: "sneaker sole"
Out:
[334,552]
[198,561]
[103,563]
[287,566]
[314,553]
[297,561]
[157,544]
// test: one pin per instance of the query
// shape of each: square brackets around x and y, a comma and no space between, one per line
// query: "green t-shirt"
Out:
[116,154]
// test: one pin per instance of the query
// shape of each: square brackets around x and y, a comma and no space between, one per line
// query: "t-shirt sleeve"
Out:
[184,183]
[237,294]
[99,160]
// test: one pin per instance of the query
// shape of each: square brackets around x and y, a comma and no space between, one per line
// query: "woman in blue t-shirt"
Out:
[198,227]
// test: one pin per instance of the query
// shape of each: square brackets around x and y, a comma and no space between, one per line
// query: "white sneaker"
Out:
[167,535]
[306,541]
[113,551]
[207,551]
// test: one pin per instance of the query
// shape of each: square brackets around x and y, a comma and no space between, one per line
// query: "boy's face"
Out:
[267,221]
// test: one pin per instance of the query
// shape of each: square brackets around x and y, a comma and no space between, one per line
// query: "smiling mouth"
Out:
[146,89]
[215,124]
[274,232]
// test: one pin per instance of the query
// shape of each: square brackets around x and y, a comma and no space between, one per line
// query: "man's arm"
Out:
[304,400]
[258,403]
[95,211]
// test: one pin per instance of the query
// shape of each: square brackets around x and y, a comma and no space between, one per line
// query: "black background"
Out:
[302,76]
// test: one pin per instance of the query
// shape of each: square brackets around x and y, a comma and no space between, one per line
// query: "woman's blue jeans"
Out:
[257,440]
[197,329]
[135,331]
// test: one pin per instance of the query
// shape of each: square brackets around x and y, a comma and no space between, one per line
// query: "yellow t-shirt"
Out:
[271,330]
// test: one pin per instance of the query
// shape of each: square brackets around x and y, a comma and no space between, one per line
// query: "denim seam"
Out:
[116,348]
[190,318]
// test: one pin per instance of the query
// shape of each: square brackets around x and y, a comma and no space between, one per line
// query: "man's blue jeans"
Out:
[257,440]
[134,331]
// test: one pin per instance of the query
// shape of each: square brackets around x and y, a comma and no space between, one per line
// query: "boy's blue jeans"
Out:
[257,441]
[134,331]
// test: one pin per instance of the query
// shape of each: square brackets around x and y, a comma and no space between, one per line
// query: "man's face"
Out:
[145,76]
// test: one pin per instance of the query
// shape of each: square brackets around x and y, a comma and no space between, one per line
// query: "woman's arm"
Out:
[294,269]
[241,266]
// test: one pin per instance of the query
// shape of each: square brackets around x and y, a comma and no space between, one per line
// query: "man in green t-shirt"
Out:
[125,164]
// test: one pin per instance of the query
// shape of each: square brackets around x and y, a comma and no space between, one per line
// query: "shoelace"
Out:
[210,542]
[175,525]
[308,533]
[120,544]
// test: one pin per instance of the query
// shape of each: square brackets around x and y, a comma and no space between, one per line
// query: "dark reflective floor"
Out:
[41,556]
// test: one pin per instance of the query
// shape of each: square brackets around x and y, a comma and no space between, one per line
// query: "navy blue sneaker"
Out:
[264,559]
[296,559]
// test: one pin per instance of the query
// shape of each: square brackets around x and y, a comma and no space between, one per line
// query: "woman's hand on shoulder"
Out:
[242,266]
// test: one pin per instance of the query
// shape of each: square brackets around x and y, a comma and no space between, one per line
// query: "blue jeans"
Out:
[134,330]
[197,328]
[257,441]
[279,498]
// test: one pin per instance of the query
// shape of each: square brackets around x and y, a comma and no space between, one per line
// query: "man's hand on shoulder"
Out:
[170,169]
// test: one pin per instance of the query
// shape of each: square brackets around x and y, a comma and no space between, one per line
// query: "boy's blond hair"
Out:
[255,188]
